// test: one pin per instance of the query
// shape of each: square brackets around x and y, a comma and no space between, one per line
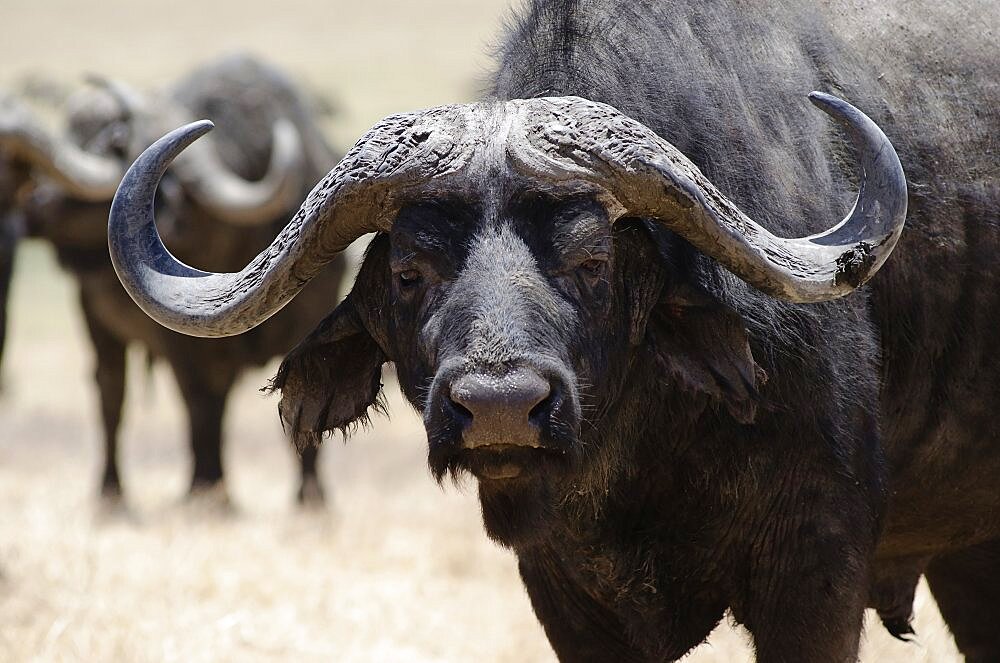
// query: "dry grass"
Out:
[396,569]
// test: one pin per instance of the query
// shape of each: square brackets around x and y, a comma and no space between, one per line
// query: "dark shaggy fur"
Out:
[793,463]
[244,96]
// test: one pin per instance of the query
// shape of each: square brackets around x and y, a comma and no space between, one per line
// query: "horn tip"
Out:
[197,129]
[838,109]
[824,100]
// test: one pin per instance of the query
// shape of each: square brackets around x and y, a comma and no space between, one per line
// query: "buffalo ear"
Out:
[704,347]
[642,274]
[331,379]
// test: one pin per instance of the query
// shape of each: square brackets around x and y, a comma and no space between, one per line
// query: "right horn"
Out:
[360,195]
[83,175]
[573,138]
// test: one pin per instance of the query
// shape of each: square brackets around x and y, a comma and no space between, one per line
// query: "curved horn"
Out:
[236,200]
[360,195]
[573,138]
[82,174]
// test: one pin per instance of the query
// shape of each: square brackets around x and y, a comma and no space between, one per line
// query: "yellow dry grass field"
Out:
[396,568]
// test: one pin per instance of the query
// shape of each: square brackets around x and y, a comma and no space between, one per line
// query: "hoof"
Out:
[211,498]
[311,495]
[111,489]
[112,508]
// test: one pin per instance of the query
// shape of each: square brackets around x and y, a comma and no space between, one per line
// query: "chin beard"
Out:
[519,488]
[519,513]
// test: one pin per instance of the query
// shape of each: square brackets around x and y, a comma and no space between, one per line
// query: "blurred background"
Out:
[394,568]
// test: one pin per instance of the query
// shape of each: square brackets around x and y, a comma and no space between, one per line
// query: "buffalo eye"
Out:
[592,268]
[409,278]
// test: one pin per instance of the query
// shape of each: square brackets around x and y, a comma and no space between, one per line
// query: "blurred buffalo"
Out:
[219,207]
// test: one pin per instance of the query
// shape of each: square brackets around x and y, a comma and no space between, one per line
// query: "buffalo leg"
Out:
[809,573]
[966,586]
[817,618]
[7,240]
[310,489]
[205,398]
[110,375]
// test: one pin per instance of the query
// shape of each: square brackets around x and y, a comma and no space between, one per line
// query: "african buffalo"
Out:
[221,207]
[585,285]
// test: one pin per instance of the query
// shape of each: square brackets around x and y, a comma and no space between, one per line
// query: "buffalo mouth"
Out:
[510,463]
[506,464]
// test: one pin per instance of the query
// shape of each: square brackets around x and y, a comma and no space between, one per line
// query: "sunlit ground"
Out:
[396,568]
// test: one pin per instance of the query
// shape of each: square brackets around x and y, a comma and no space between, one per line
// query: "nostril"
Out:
[462,398]
[541,411]
[460,410]
[532,391]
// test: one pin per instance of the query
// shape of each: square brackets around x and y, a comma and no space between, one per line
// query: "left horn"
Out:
[573,138]
[360,195]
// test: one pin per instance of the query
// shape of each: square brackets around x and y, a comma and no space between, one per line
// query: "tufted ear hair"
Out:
[704,348]
[643,275]
[333,379]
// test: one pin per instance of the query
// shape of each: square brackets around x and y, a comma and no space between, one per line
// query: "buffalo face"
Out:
[510,322]
[492,330]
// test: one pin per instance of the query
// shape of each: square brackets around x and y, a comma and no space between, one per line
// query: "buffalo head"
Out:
[511,281]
